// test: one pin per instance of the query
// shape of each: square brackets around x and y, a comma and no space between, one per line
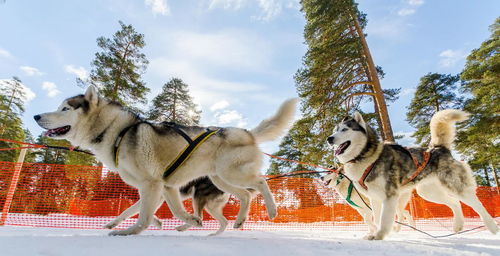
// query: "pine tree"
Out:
[337,76]
[117,69]
[12,99]
[435,92]
[338,67]
[174,104]
[481,79]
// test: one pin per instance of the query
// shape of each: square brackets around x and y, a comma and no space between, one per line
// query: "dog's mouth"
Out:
[342,147]
[57,131]
[328,182]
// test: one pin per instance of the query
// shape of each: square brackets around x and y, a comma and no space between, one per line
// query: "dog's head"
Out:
[61,123]
[349,138]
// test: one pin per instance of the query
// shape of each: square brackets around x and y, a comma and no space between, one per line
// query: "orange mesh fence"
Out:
[67,196]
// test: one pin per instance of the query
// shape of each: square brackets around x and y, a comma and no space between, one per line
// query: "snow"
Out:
[58,242]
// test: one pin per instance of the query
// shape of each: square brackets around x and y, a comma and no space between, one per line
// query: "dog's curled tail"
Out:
[271,128]
[443,127]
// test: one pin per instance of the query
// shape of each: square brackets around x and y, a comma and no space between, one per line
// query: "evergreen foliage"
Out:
[435,92]
[12,98]
[480,139]
[117,69]
[174,104]
[337,76]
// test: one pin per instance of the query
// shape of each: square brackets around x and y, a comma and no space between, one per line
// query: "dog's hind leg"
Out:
[150,195]
[469,198]
[242,194]
[173,199]
[214,208]
[435,193]
[131,211]
[198,206]
[260,185]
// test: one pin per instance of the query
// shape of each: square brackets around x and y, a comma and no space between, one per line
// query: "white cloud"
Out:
[449,57]
[219,105]
[415,2]
[28,93]
[231,49]
[406,12]
[230,117]
[51,89]
[269,8]
[31,71]
[80,72]
[158,7]
[4,53]
[412,7]
[408,91]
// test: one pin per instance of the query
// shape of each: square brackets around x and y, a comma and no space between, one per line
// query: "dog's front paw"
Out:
[272,212]
[182,228]
[125,232]
[239,223]
[157,223]
[110,225]
[193,221]
[376,236]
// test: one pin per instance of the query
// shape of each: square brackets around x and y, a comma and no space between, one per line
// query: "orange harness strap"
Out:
[419,167]
[361,180]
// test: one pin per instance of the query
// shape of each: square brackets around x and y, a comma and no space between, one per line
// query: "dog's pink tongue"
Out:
[48,133]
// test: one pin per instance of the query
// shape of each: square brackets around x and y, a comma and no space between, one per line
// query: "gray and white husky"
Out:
[231,158]
[444,180]
[341,184]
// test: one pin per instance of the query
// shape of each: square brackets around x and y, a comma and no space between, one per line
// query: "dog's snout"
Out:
[37,117]
[330,139]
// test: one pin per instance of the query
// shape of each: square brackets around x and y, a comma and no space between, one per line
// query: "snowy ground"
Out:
[76,242]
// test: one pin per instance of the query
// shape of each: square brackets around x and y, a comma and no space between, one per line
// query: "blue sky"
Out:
[238,56]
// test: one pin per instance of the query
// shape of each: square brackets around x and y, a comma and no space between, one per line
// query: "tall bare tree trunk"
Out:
[495,176]
[377,89]
[487,177]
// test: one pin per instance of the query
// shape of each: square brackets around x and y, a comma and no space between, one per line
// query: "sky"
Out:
[237,56]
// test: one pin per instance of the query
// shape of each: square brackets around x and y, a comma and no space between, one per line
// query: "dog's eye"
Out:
[345,129]
[65,109]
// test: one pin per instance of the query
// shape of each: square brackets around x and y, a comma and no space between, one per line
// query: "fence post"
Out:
[13,185]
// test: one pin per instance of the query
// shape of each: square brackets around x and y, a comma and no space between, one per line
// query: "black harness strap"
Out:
[186,153]
[118,141]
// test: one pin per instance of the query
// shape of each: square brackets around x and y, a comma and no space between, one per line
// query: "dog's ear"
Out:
[345,118]
[91,95]
[359,119]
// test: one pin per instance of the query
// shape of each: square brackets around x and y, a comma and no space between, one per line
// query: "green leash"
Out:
[349,191]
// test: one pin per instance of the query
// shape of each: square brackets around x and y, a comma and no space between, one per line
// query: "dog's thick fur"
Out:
[231,158]
[444,180]
[341,185]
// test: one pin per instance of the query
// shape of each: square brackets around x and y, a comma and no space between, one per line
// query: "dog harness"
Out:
[349,190]
[183,155]
[418,166]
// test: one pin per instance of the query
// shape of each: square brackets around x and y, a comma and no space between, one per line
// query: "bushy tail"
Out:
[443,127]
[271,128]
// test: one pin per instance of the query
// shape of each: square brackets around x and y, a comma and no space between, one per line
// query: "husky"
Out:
[231,157]
[385,172]
[360,203]
[205,195]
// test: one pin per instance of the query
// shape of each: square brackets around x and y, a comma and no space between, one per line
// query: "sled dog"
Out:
[140,152]
[360,203]
[385,172]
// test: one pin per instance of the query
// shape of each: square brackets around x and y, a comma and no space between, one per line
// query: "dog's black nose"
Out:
[330,139]
[322,178]
[37,117]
